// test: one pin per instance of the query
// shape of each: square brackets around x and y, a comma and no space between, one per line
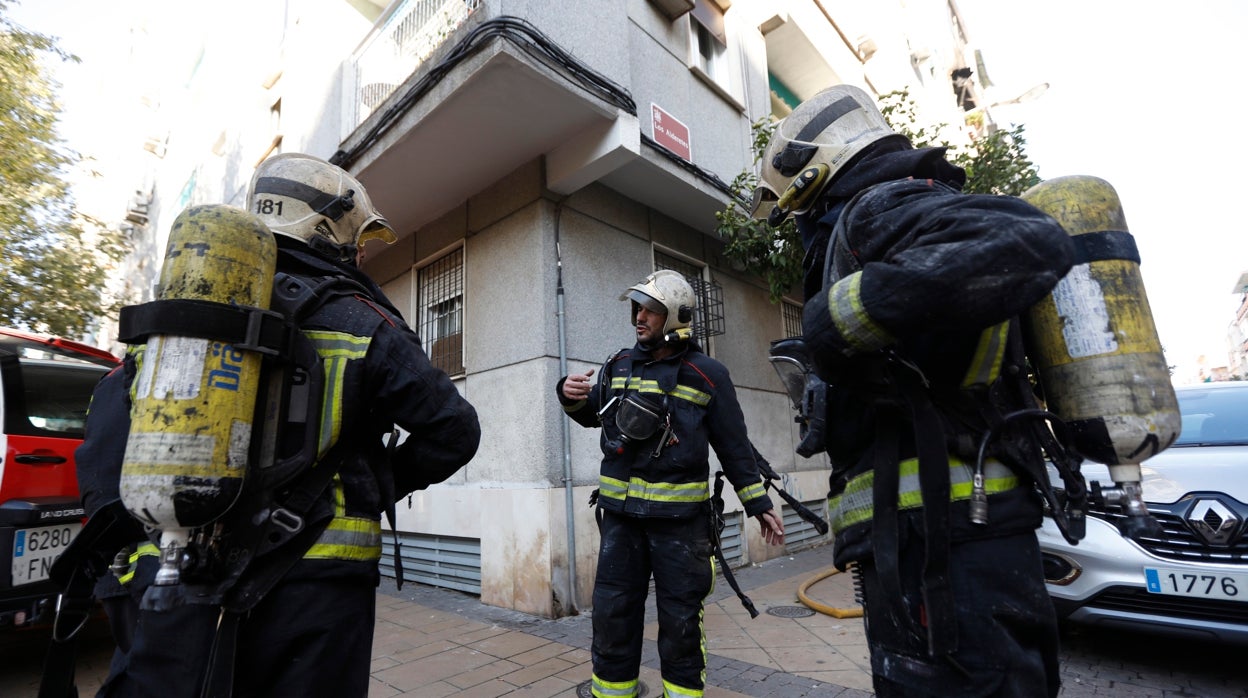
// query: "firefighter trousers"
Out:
[1007,639]
[677,552]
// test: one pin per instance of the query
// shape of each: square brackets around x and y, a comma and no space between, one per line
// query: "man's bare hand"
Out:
[577,385]
[773,527]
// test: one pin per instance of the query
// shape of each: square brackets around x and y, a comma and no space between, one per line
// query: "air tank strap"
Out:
[1105,245]
[934,484]
[243,327]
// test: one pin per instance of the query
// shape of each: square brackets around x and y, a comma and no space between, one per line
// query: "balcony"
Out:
[446,100]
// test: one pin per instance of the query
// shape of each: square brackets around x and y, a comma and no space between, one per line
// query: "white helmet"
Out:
[667,292]
[319,204]
[811,145]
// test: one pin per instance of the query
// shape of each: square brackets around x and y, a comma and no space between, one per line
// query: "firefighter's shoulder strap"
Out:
[717,526]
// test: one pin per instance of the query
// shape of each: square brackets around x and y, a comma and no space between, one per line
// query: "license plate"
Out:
[35,549]
[1204,585]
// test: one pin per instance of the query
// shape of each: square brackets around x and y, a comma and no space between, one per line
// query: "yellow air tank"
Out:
[1095,347]
[195,399]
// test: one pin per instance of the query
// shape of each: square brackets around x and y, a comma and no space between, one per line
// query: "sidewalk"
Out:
[435,642]
[432,642]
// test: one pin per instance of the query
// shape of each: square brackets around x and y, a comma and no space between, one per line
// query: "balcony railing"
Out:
[413,32]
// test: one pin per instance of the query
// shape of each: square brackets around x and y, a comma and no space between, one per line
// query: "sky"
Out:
[1140,94]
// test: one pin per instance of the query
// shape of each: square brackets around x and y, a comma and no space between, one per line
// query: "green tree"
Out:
[54,262]
[995,163]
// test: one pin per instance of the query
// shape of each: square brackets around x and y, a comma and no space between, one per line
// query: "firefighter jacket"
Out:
[376,376]
[908,277]
[667,473]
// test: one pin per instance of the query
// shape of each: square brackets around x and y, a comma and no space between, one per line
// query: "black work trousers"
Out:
[678,554]
[309,637]
[1007,640]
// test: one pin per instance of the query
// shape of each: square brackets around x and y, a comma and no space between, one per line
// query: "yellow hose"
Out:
[824,608]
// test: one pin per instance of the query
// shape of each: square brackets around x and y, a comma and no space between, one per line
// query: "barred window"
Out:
[440,304]
[792,318]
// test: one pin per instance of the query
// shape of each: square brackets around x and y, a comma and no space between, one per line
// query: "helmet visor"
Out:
[762,201]
[378,229]
[645,301]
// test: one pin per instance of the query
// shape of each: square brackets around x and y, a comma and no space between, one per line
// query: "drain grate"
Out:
[585,690]
[790,612]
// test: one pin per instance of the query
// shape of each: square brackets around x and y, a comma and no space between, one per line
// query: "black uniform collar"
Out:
[293,257]
[641,353]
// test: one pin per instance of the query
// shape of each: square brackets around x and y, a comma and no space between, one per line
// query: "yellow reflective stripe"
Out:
[986,364]
[668,492]
[144,549]
[346,537]
[671,689]
[851,318]
[336,350]
[613,689]
[854,504]
[697,397]
[646,385]
[653,491]
[749,492]
[610,487]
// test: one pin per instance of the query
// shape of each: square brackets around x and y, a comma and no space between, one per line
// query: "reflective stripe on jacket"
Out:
[668,473]
[853,505]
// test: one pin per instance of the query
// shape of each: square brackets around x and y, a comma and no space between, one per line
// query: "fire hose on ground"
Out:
[821,607]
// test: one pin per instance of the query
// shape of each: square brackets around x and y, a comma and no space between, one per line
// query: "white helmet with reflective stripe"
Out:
[667,292]
[811,145]
[317,203]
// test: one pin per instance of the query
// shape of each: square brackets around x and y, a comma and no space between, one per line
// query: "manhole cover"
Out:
[790,612]
[585,690]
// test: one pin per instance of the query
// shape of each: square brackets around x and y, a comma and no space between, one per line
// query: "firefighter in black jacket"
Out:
[660,405]
[910,287]
[311,635]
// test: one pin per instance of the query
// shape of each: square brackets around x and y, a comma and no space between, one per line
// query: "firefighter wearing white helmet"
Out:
[349,373]
[666,293]
[661,404]
[317,203]
[912,288]
[812,145]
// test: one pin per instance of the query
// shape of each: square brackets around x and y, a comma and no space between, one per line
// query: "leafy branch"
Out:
[995,163]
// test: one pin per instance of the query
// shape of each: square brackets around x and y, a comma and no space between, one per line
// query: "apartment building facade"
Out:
[536,158]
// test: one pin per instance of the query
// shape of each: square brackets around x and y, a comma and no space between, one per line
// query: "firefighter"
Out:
[660,404]
[311,634]
[910,286]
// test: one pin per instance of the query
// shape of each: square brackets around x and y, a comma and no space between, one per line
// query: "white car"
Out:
[1193,579]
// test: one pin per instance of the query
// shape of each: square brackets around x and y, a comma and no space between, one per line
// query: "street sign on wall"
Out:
[670,132]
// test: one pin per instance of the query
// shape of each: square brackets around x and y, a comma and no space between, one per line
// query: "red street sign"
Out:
[670,133]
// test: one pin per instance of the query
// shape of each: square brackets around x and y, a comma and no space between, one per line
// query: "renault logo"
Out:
[1212,521]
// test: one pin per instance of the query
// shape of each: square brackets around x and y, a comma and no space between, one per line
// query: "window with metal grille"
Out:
[440,307]
[792,313]
[708,315]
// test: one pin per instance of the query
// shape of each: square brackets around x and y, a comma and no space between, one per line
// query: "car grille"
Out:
[1179,541]
[1137,600]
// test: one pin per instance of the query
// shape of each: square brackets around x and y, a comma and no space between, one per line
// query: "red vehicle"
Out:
[45,387]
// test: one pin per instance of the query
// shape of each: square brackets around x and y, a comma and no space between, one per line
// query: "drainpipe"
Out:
[567,433]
